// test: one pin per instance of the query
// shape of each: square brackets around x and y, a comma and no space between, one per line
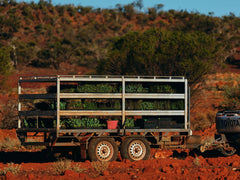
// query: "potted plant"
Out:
[112,123]
[129,123]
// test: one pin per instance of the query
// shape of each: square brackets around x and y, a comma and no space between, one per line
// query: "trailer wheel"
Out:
[103,149]
[227,150]
[135,149]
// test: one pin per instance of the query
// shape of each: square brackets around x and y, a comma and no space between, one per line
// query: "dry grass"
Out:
[13,168]
[100,166]
[196,161]
[77,168]
[201,121]
[61,166]
[10,144]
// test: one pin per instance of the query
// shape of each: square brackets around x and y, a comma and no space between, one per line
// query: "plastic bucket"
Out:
[112,124]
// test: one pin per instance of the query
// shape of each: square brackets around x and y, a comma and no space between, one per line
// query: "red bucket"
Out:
[112,124]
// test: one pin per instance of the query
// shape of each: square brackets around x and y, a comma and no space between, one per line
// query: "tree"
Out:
[5,64]
[139,4]
[160,52]
[129,11]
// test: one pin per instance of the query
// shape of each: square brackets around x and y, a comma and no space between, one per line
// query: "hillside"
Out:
[42,39]
[43,35]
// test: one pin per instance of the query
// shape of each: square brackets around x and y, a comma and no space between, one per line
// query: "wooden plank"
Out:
[38,96]
[155,113]
[37,113]
[89,113]
[119,95]
[119,113]
[91,95]
[90,130]
[153,96]
[36,130]
[38,80]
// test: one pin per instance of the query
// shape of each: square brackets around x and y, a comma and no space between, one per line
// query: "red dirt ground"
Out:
[163,164]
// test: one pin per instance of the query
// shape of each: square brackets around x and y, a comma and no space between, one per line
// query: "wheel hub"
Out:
[104,151]
[136,150]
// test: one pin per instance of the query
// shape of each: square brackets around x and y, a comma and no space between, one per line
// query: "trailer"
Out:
[98,116]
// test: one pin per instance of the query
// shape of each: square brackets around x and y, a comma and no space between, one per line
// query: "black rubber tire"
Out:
[103,149]
[135,149]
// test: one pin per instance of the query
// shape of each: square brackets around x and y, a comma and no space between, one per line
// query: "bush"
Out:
[9,144]
[160,52]
[231,98]
[5,63]
[201,121]
[100,166]
[61,166]
[10,115]
[13,168]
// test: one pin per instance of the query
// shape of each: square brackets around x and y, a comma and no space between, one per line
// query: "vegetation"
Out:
[13,168]
[129,123]
[5,64]
[100,166]
[231,98]
[122,40]
[61,166]
[43,35]
[161,52]
[9,144]
[82,123]
[203,120]
[155,105]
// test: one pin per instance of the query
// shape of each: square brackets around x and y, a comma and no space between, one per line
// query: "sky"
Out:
[218,7]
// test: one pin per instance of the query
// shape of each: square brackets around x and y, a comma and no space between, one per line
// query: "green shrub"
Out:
[231,98]
[135,88]
[129,122]
[96,88]
[146,106]
[81,123]
[155,105]
[90,105]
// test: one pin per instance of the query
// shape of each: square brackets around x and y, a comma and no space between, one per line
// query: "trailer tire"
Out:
[135,149]
[103,149]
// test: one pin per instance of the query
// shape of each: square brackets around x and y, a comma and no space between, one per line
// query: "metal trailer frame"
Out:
[81,133]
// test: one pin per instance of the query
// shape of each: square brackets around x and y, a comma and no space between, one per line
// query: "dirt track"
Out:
[166,164]
[177,166]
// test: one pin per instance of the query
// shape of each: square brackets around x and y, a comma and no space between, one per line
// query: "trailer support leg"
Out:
[83,151]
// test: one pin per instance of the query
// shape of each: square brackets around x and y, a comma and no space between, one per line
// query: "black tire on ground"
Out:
[135,149]
[103,149]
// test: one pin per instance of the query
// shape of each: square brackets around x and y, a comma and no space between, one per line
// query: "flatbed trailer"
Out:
[76,110]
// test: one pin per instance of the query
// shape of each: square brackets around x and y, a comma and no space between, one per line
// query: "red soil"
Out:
[163,164]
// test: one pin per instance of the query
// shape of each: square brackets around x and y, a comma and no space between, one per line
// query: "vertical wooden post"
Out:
[186,105]
[19,103]
[58,104]
[123,100]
